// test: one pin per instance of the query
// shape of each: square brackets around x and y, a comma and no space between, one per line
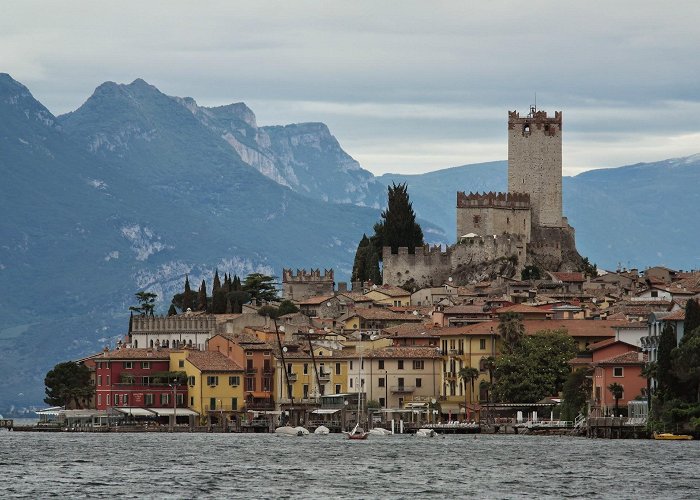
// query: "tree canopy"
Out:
[536,367]
[575,393]
[511,330]
[68,384]
[260,287]
[147,303]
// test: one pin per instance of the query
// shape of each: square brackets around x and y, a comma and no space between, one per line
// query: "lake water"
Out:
[40,465]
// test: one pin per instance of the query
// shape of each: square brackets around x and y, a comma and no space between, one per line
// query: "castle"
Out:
[305,284]
[501,233]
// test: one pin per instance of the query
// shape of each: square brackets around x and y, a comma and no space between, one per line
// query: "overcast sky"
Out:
[405,86]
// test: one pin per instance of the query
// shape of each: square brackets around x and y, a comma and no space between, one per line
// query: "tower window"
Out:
[477,220]
[526,128]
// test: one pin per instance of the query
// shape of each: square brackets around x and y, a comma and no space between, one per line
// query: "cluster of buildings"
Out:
[396,351]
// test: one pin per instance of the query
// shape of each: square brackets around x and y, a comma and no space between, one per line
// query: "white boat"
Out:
[426,433]
[378,431]
[288,430]
[322,429]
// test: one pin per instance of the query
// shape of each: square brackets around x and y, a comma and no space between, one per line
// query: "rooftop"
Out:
[212,361]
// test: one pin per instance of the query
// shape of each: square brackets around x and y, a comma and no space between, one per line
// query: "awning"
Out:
[265,412]
[416,405]
[325,411]
[136,412]
[53,411]
[181,412]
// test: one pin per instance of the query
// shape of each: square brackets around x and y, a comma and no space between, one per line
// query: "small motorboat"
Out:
[288,430]
[322,430]
[378,431]
[667,436]
[428,433]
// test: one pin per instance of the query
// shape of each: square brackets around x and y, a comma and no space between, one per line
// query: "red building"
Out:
[136,378]
[616,362]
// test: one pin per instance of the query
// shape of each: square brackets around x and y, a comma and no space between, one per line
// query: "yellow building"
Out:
[306,384]
[214,383]
[390,296]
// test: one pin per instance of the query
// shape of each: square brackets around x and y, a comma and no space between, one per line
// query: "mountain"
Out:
[132,191]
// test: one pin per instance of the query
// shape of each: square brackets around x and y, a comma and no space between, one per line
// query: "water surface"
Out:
[148,465]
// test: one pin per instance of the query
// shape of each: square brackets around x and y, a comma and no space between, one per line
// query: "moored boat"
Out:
[667,436]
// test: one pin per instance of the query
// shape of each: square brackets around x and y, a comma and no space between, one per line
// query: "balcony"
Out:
[324,376]
[268,370]
[251,371]
[260,404]
[292,377]
[450,375]
[455,352]
[402,389]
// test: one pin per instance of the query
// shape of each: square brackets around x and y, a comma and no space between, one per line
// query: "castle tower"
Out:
[534,163]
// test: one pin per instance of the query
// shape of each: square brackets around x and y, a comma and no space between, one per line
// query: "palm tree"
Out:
[468,374]
[616,390]
[511,330]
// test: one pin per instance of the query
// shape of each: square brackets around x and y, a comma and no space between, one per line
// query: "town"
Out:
[509,330]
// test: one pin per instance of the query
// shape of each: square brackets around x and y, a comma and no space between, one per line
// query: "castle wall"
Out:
[432,266]
[535,165]
[305,284]
[493,220]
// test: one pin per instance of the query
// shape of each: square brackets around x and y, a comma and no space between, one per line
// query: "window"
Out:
[306,368]
[190,380]
[146,365]
[250,384]
[180,399]
[99,400]
[107,379]
[418,364]
[164,399]
[382,382]
[337,368]
[618,371]
[212,403]
[337,388]
[382,402]
[148,399]
[482,344]
[400,364]
[267,384]
[419,382]
[181,363]
[401,381]
[128,365]
[350,383]
[212,380]
[362,382]
[306,391]
[654,293]
[381,364]
[234,404]
[191,400]
[146,380]
[107,399]
[234,381]
[99,380]
[351,365]
[249,353]
[289,368]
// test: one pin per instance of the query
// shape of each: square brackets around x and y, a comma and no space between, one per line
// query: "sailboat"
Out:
[358,432]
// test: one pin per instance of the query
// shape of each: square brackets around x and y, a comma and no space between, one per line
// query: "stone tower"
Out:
[534,163]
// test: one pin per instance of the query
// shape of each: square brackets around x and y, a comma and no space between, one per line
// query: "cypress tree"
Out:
[187,296]
[667,381]
[202,297]
[398,227]
[359,267]
[216,286]
[236,285]
[372,265]
[172,311]
[692,319]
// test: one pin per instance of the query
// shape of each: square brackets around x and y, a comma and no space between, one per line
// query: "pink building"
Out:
[616,362]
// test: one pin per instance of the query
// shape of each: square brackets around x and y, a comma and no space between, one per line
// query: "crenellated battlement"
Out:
[515,201]
[302,276]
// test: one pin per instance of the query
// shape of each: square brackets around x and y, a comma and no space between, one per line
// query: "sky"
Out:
[406,87]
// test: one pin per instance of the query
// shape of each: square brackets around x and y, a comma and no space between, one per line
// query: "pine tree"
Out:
[202,297]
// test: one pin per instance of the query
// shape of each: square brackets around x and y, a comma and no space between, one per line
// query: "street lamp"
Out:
[386,389]
[174,420]
[221,410]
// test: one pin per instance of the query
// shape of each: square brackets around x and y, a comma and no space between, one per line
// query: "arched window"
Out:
[136,344]
[151,343]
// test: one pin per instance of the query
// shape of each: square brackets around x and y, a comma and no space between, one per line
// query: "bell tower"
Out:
[534,163]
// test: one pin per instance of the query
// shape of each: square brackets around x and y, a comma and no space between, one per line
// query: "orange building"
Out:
[620,363]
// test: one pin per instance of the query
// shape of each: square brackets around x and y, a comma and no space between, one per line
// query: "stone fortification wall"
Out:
[493,213]
[432,266]
[535,165]
[554,249]
[306,284]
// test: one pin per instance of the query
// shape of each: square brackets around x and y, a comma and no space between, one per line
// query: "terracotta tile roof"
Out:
[355,297]
[520,309]
[400,352]
[212,361]
[377,313]
[247,341]
[678,315]
[131,353]
[466,309]
[574,327]
[570,277]
[412,330]
[628,358]
[314,301]
[605,343]
[632,325]
[391,291]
